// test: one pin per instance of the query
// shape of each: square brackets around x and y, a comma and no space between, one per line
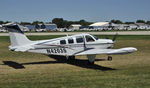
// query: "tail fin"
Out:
[17,37]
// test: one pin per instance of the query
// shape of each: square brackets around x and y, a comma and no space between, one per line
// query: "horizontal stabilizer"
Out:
[21,48]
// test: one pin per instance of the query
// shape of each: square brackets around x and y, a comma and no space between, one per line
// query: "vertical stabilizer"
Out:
[17,37]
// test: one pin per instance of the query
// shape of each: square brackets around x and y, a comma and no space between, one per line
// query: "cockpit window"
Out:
[89,38]
[70,40]
[79,39]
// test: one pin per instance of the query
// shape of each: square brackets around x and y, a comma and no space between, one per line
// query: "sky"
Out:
[74,10]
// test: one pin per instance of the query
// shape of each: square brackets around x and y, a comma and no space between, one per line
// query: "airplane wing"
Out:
[108,51]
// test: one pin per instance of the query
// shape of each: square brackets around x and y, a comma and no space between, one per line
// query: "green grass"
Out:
[125,71]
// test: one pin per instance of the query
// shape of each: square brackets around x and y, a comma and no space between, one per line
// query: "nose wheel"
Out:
[90,63]
[109,58]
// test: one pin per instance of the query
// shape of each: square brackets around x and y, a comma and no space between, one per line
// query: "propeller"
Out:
[115,36]
[84,43]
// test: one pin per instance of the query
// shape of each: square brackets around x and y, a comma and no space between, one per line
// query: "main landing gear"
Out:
[109,58]
[71,58]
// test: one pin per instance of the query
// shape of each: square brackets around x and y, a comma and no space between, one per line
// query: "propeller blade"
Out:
[84,42]
[115,36]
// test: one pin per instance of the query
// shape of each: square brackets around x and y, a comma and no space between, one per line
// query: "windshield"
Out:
[89,38]
[95,37]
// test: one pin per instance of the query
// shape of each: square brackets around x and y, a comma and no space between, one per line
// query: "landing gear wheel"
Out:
[91,63]
[71,58]
[109,58]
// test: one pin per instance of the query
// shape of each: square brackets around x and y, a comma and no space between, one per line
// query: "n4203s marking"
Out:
[56,50]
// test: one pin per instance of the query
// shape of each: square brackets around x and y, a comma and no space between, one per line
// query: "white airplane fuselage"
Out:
[54,46]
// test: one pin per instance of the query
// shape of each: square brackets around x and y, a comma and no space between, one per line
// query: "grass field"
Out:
[29,70]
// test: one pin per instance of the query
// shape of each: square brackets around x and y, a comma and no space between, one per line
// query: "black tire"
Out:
[109,58]
[71,58]
[90,63]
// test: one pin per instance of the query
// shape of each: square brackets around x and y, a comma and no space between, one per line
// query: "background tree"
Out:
[1,22]
[65,24]
[25,23]
[7,22]
[148,22]
[37,22]
[116,21]
[140,21]
[129,22]
[84,23]
[69,23]
[59,22]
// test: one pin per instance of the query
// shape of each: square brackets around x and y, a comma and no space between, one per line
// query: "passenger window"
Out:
[89,38]
[79,39]
[70,40]
[62,41]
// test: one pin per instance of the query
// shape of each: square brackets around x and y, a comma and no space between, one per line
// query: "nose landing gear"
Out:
[90,63]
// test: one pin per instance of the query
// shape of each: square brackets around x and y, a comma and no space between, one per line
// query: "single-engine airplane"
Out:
[69,46]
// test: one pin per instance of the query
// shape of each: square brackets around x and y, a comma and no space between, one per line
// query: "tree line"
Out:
[61,23]
[137,21]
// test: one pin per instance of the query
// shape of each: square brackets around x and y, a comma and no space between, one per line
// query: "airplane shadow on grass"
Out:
[60,59]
